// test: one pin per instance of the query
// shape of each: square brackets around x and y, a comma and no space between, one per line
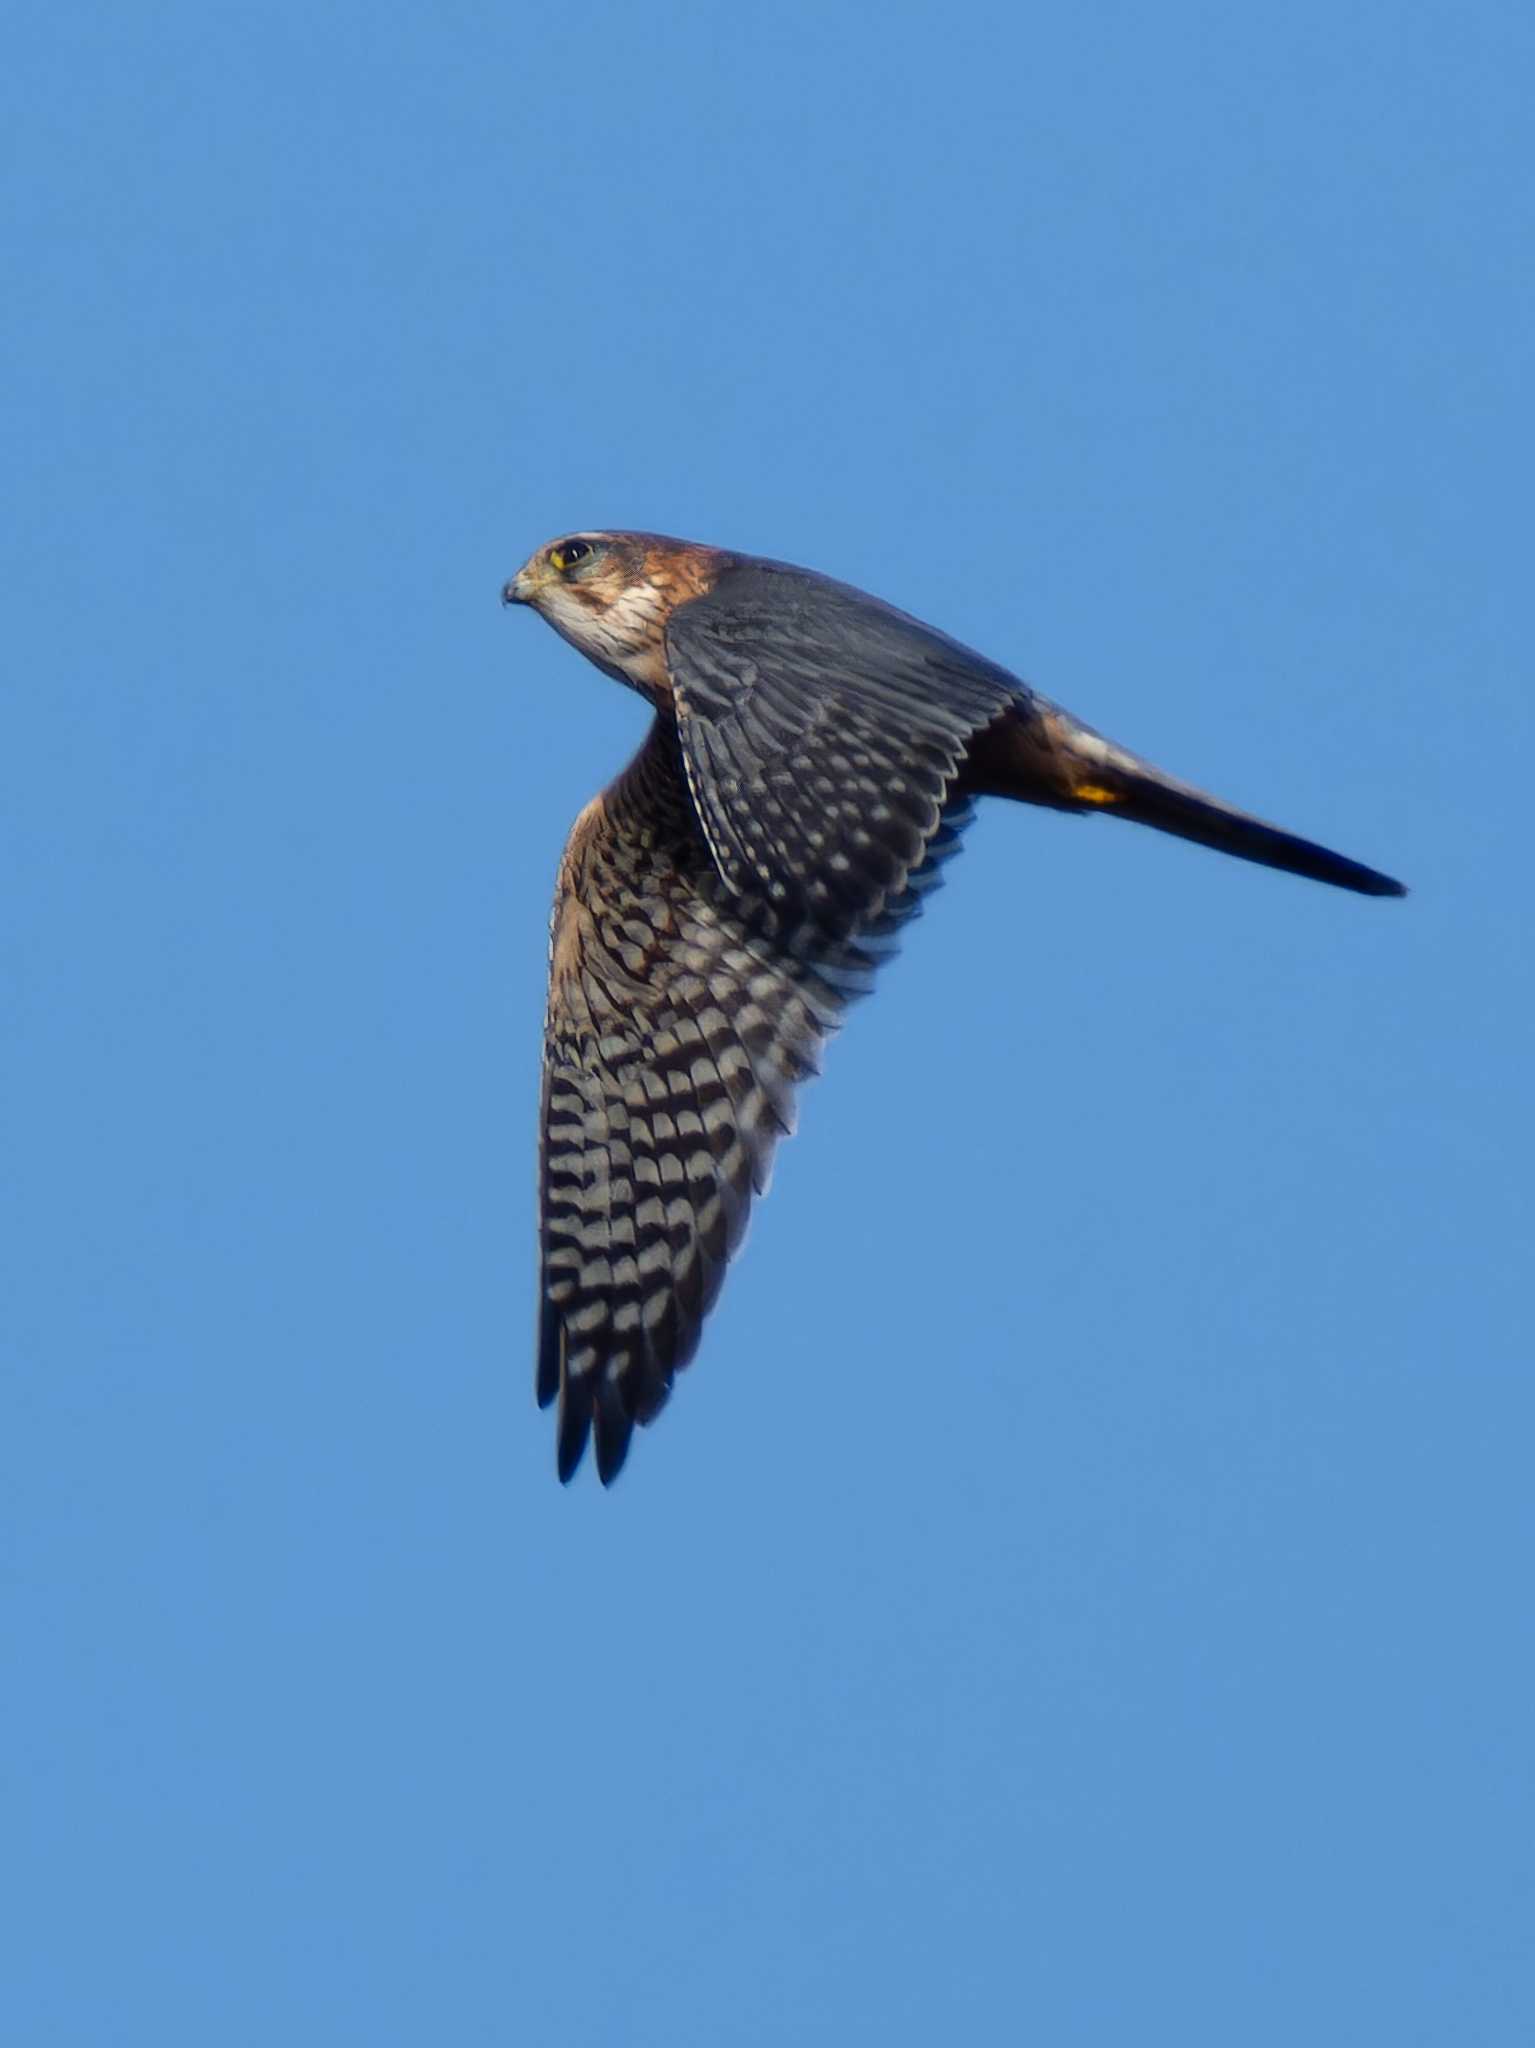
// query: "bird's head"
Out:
[610,595]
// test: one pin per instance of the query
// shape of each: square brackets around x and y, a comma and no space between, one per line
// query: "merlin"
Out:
[814,759]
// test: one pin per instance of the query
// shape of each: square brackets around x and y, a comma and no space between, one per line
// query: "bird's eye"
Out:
[569,552]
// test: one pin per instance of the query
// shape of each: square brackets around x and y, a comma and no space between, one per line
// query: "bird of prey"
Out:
[814,758]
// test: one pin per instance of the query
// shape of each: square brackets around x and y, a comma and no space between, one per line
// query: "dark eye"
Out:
[569,552]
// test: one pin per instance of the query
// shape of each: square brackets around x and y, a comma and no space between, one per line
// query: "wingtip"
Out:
[614,1427]
[601,1420]
[572,1430]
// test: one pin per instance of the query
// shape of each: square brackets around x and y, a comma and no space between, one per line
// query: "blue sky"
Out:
[1082,1592]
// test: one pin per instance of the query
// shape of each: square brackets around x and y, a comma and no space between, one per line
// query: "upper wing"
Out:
[821,732]
[680,1019]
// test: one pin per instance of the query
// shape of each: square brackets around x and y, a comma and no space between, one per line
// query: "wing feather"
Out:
[822,733]
[681,1020]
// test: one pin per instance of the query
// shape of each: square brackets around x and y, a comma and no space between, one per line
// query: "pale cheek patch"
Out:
[622,632]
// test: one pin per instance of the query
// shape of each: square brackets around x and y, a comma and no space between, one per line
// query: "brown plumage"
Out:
[811,765]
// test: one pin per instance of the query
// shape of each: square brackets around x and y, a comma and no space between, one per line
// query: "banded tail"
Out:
[1041,754]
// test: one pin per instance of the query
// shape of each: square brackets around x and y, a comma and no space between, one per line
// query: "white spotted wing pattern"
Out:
[682,1014]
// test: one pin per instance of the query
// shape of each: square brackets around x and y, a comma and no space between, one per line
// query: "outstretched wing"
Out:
[680,1019]
[821,732]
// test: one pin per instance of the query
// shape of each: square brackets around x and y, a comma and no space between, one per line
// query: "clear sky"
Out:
[1082,1593]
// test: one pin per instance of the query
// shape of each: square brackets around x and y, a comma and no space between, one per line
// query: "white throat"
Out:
[625,640]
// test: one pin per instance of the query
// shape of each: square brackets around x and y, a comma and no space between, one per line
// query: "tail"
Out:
[1046,756]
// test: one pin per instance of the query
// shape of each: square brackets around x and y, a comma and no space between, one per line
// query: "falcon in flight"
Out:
[814,758]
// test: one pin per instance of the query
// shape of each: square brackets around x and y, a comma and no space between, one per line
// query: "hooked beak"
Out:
[522,589]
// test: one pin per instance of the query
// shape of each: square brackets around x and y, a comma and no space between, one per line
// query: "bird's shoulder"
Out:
[788,618]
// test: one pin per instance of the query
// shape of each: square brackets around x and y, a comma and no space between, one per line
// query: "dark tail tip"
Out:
[1372,883]
[1153,799]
